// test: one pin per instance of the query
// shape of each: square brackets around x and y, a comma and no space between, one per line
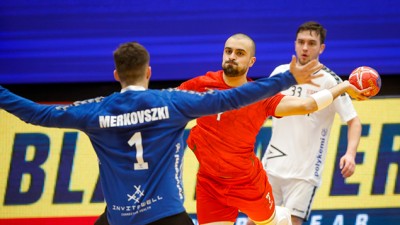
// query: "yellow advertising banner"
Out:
[41,188]
[55,174]
[376,181]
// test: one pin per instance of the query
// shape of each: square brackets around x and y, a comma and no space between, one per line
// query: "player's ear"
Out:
[148,74]
[321,49]
[116,76]
[252,61]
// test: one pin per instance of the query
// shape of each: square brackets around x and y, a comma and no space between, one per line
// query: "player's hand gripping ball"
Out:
[364,77]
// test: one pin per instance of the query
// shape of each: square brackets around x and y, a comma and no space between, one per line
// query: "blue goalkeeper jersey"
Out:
[137,136]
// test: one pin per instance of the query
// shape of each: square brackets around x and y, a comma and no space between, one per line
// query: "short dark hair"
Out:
[245,36]
[131,61]
[313,26]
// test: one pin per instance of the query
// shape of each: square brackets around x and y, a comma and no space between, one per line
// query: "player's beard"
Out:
[232,71]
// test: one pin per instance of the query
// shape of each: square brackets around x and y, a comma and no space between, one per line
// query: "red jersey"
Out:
[224,143]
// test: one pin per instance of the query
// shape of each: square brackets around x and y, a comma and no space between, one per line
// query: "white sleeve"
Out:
[345,108]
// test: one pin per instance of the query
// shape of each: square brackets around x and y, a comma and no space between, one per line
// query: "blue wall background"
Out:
[50,41]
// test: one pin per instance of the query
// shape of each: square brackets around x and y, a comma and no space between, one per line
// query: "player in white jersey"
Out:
[294,159]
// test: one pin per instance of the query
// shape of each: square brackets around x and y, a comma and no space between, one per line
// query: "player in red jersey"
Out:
[231,178]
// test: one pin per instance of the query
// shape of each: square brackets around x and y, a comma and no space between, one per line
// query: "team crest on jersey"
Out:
[274,152]
[136,195]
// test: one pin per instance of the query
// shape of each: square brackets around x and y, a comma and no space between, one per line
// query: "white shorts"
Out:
[295,194]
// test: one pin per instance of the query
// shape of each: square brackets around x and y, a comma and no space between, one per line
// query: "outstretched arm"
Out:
[291,105]
[194,104]
[38,114]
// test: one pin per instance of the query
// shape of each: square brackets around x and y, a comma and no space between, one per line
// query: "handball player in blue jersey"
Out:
[137,133]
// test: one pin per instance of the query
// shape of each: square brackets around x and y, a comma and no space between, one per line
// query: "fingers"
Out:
[347,167]
[363,91]
[347,171]
[359,95]
[313,66]
[293,63]
[293,60]
[319,66]
[341,164]
[304,74]
[313,84]
[311,78]
[317,75]
[362,97]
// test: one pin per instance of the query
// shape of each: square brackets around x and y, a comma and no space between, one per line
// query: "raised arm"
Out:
[200,104]
[291,105]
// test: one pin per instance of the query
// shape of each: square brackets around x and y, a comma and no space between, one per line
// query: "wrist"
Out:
[346,84]
[322,98]
[350,154]
[351,151]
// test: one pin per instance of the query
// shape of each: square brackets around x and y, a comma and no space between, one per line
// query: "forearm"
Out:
[34,113]
[23,108]
[353,136]
[291,105]
[339,89]
[325,97]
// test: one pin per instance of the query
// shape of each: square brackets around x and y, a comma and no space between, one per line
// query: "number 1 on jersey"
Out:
[136,139]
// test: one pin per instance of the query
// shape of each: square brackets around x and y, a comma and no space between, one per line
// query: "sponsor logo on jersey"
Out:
[274,152]
[320,152]
[138,204]
[178,175]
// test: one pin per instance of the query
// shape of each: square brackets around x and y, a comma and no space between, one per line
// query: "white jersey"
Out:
[298,145]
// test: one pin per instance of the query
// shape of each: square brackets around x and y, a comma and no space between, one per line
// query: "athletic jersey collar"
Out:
[133,88]
[220,74]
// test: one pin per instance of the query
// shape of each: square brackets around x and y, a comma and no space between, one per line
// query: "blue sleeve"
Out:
[38,114]
[220,101]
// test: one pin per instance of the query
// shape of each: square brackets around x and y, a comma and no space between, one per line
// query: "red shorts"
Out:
[220,199]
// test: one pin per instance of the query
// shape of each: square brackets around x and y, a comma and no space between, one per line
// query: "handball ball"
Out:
[365,77]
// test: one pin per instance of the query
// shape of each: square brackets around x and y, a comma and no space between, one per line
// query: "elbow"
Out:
[309,107]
